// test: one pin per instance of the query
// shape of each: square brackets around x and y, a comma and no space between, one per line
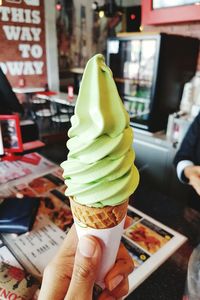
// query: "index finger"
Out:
[128,222]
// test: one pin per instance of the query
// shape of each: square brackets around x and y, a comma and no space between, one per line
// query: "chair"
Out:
[42,106]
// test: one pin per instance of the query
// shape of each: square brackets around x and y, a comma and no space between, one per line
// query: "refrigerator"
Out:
[150,71]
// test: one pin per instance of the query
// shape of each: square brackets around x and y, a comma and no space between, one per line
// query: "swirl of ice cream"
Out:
[100,168]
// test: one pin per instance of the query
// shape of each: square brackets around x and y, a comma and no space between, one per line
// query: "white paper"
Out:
[36,249]
[7,257]
[1,142]
[110,238]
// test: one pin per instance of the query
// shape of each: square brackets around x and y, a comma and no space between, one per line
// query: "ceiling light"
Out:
[95,5]
[101,14]
[58,6]
[110,8]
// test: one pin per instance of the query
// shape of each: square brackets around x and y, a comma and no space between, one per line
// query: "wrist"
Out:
[188,171]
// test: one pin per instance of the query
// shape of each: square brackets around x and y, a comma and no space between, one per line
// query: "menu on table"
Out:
[149,243]
[29,165]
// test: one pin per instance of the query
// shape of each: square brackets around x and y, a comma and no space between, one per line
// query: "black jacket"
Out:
[190,150]
[190,147]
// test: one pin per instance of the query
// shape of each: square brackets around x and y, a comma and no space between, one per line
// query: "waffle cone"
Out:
[99,218]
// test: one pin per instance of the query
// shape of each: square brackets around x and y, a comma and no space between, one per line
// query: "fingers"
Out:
[116,280]
[123,267]
[193,174]
[198,170]
[65,276]
[106,296]
[128,222]
[57,274]
[195,182]
[120,291]
[192,171]
[86,264]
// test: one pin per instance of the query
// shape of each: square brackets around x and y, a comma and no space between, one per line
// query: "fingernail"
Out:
[113,283]
[86,246]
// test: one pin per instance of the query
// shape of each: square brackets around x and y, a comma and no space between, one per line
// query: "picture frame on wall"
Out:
[157,12]
[11,133]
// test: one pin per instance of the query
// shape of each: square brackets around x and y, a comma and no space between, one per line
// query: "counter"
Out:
[154,158]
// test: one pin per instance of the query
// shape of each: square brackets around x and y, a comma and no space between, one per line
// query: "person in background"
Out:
[72,272]
[187,162]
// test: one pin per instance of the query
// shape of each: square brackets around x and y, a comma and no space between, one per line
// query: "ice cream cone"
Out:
[99,218]
[106,224]
[99,171]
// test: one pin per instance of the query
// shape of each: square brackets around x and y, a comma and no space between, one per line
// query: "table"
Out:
[28,92]
[168,281]
[62,99]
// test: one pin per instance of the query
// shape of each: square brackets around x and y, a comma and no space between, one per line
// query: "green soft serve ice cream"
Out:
[100,170]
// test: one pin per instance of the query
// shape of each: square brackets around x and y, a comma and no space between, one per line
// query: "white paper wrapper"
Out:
[110,238]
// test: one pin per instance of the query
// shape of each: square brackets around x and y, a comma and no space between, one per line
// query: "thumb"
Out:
[87,261]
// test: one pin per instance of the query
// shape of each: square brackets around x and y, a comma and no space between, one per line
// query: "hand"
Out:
[72,272]
[116,280]
[193,174]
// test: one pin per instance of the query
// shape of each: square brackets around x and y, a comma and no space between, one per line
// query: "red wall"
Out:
[24,58]
[189,29]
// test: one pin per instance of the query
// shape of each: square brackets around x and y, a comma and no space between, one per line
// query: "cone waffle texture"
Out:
[99,218]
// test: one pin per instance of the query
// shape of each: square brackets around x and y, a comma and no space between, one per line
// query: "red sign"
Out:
[179,13]
[22,36]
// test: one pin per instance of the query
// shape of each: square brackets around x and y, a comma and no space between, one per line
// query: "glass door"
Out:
[132,62]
